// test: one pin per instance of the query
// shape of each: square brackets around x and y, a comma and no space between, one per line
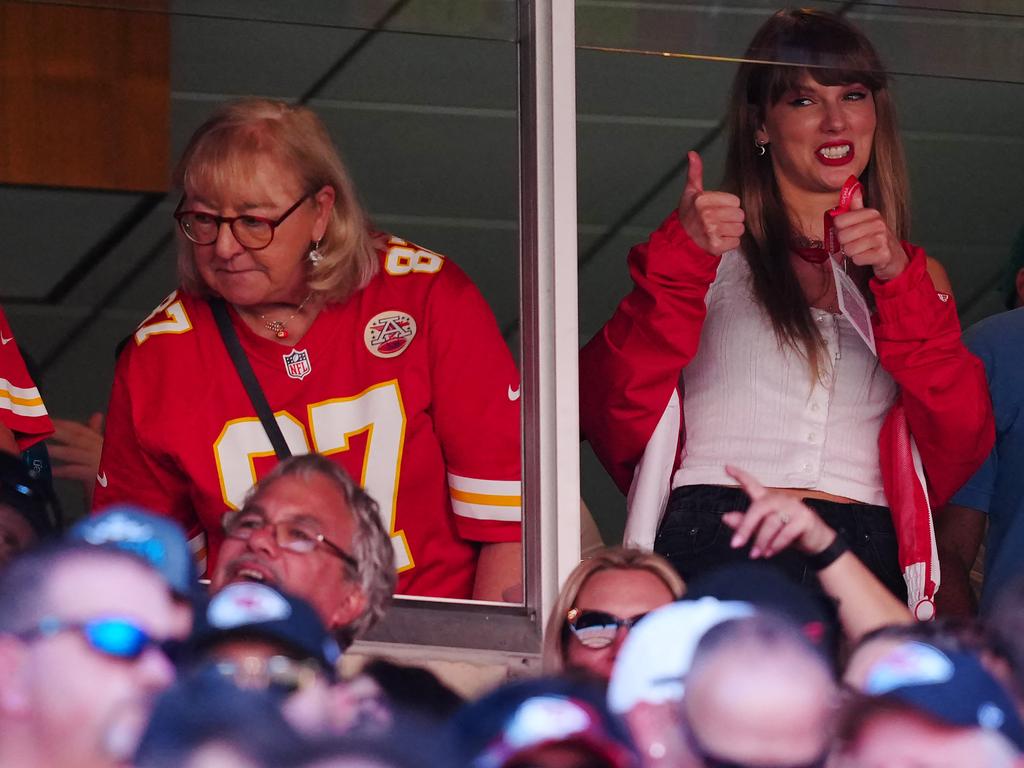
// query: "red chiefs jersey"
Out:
[408,385]
[21,408]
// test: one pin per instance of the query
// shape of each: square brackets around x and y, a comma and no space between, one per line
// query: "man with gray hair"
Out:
[310,530]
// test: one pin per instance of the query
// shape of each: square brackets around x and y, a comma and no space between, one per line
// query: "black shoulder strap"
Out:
[248,377]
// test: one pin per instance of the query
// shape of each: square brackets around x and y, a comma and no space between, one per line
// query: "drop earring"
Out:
[314,255]
[762,147]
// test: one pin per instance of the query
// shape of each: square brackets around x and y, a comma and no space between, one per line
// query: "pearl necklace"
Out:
[280,327]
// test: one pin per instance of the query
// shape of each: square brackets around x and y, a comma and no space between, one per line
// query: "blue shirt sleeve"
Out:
[978,491]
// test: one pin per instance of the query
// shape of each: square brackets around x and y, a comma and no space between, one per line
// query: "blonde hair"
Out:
[605,559]
[224,149]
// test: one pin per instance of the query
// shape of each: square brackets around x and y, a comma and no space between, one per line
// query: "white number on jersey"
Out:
[403,259]
[174,320]
[378,411]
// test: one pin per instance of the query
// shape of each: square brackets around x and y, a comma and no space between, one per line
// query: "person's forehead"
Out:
[315,497]
[239,180]
[892,734]
[621,581]
[97,585]
[780,692]
[239,647]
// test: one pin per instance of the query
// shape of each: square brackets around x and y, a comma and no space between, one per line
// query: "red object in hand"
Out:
[845,199]
[830,242]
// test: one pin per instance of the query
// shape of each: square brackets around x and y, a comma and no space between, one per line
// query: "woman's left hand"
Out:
[867,240]
[774,521]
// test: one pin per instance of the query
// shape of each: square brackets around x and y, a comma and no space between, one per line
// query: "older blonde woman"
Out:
[601,599]
[367,348]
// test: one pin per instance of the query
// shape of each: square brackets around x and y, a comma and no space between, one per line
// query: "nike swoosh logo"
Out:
[4,341]
[513,394]
[101,478]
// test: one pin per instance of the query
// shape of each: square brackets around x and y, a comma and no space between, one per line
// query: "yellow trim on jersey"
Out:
[177,320]
[22,401]
[479,499]
[251,456]
[486,499]
[397,536]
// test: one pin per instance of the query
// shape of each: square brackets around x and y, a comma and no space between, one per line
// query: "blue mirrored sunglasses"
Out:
[116,637]
[597,629]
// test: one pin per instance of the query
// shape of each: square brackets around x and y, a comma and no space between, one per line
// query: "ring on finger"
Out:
[784,518]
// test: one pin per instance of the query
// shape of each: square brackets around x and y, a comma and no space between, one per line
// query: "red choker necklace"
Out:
[818,251]
[812,251]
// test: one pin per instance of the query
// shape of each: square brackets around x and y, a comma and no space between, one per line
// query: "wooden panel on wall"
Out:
[85,95]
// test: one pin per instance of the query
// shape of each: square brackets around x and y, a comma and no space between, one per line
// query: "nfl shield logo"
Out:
[296,363]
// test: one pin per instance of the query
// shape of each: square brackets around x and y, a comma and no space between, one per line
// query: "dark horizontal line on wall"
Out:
[714,58]
[306,24]
[84,190]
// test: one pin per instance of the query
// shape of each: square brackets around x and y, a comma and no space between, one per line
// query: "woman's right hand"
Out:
[713,220]
[775,520]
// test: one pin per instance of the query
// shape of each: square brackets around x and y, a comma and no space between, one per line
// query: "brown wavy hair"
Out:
[222,152]
[832,52]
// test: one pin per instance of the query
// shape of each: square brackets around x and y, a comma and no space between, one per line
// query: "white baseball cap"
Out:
[652,664]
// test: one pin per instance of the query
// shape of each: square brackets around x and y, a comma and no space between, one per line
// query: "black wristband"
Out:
[829,554]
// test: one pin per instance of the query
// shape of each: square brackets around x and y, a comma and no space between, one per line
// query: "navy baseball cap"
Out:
[158,540]
[952,687]
[522,717]
[248,609]
[767,588]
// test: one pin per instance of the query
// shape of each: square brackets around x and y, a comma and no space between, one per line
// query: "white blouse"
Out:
[748,402]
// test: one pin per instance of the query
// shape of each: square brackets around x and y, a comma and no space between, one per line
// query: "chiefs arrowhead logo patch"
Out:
[390,333]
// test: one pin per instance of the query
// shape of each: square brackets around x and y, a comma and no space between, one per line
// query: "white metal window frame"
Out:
[550,346]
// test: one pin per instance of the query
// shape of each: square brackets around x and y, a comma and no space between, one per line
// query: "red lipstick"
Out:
[824,159]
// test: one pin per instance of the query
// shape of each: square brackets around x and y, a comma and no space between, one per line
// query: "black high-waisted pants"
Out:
[694,539]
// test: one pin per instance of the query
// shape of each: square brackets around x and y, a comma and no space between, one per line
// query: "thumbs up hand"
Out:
[713,220]
[867,240]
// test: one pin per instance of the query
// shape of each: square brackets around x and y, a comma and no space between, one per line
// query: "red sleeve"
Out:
[943,385]
[475,410]
[128,473]
[21,408]
[630,368]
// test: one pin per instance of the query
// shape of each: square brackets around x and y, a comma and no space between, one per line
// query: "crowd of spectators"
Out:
[791,616]
[112,653]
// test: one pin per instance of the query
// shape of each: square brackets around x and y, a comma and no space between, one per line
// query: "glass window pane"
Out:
[653,81]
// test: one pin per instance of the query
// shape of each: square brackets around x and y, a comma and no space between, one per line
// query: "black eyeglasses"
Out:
[114,636]
[294,534]
[708,760]
[597,629]
[253,232]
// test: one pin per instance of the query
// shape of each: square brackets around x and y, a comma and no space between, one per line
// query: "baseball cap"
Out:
[950,686]
[252,610]
[768,588]
[523,717]
[22,492]
[652,664]
[158,540]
